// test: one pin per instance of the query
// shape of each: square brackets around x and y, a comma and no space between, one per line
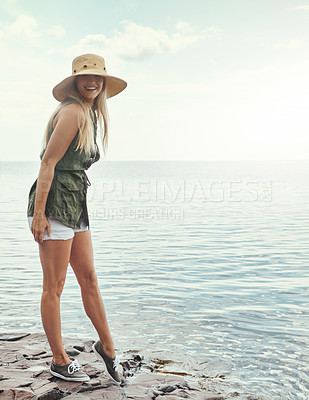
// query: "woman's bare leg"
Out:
[54,255]
[82,263]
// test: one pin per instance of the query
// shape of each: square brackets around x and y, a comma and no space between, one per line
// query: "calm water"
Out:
[204,264]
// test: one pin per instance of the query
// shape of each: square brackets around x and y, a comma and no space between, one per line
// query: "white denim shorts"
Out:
[59,231]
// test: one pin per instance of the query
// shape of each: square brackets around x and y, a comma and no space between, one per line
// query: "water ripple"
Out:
[216,283]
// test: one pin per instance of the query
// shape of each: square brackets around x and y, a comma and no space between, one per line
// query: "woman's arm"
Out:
[65,128]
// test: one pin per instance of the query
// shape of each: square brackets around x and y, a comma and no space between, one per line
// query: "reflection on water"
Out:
[204,264]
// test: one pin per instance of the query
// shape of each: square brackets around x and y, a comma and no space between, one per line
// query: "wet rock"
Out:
[11,337]
[24,374]
[168,389]
[79,348]
[88,346]
[72,351]
[126,365]
[131,365]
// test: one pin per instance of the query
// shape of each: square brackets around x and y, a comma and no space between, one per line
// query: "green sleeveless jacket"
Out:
[66,199]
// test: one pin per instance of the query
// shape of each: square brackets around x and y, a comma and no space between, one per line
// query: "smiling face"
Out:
[89,86]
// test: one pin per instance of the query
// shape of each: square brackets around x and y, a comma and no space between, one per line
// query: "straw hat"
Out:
[89,64]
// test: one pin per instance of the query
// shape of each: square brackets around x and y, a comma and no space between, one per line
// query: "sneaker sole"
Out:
[69,379]
[104,365]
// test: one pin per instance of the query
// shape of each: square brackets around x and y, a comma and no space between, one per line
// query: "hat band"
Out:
[85,67]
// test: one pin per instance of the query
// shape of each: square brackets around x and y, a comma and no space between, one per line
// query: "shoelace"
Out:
[115,364]
[73,367]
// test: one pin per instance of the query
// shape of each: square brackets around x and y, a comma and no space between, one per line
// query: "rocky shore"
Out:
[24,374]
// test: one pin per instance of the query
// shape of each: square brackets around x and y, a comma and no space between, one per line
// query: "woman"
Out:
[57,209]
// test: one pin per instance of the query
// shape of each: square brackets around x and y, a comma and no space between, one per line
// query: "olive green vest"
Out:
[66,199]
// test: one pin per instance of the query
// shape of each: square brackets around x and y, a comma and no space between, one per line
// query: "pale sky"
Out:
[207,79]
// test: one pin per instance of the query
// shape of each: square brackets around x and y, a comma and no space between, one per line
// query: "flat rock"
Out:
[24,374]
[14,394]
[11,337]
[149,379]
[43,387]
[18,383]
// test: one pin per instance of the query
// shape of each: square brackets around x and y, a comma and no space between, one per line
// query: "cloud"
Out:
[300,8]
[291,44]
[27,27]
[183,27]
[24,26]
[140,42]
[57,31]
[10,7]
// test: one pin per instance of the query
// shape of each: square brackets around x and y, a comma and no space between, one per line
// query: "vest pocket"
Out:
[69,195]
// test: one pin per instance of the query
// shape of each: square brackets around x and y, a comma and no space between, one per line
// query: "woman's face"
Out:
[89,86]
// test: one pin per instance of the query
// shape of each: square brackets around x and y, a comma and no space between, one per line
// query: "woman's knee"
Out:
[88,281]
[54,287]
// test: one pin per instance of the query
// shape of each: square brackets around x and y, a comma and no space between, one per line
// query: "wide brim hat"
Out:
[89,64]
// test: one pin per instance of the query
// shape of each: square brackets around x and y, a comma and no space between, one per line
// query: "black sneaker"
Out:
[110,363]
[69,372]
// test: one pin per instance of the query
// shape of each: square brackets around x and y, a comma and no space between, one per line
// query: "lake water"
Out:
[204,264]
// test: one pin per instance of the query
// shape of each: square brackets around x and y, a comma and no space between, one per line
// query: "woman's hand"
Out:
[38,226]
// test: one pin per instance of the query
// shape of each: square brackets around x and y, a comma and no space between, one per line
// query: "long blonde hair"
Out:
[85,126]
